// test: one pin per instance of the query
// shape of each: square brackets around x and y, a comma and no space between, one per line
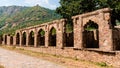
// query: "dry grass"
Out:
[66,61]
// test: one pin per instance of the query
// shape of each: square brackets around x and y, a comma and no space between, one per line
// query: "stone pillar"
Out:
[3,43]
[35,38]
[8,40]
[20,39]
[4,39]
[60,36]
[27,38]
[78,39]
[105,33]
[14,40]
[46,36]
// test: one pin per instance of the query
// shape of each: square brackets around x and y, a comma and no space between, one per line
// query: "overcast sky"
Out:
[51,4]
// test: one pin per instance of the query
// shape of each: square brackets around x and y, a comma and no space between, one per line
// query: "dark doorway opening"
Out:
[31,38]
[17,39]
[5,39]
[1,39]
[24,39]
[68,35]
[41,37]
[11,40]
[91,35]
[52,37]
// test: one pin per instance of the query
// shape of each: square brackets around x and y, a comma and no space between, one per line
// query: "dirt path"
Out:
[10,59]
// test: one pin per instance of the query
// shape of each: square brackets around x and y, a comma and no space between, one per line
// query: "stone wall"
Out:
[107,38]
[100,17]
[111,57]
[32,36]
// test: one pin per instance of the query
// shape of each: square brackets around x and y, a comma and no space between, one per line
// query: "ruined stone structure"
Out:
[32,36]
[53,34]
[104,31]
[101,37]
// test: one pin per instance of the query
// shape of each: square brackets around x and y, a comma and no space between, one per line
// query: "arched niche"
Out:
[52,37]
[17,39]
[31,38]
[24,38]
[90,35]
[41,37]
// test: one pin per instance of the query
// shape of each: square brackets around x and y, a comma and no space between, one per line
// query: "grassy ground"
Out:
[66,61]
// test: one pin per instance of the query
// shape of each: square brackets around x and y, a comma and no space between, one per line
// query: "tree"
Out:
[71,8]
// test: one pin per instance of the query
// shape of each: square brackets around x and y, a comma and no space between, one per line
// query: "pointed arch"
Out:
[41,37]
[24,39]
[52,37]
[17,39]
[91,35]
[5,39]
[31,38]
[11,40]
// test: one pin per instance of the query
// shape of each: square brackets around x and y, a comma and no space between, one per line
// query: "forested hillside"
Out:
[7,12]
[16,17]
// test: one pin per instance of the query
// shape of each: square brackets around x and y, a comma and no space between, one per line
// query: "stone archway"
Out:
[91,35]
[1,39]
[41,37]
[17,39]
[11,40]
[68,35]
[24,39]
[31,39]
[52,37]
[5,39]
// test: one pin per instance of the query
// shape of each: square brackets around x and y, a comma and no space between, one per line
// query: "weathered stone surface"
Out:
[102,19]
[105,36]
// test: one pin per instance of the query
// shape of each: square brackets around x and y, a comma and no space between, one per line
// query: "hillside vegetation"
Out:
[17,17]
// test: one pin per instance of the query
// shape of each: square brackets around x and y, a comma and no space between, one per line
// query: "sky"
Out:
[51,4]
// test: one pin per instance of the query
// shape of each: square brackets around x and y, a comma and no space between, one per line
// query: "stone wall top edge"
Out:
[104,10]
[41,25]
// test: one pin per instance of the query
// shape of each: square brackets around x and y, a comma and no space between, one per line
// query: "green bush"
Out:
[102,64]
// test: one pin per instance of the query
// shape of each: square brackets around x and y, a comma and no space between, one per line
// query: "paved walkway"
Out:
[10,59]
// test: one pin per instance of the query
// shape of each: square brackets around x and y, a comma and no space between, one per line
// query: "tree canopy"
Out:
[71,8]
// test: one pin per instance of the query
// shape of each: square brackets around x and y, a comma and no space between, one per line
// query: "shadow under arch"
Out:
[5,39]
[41,38]
[11,40]
[52,37]
[91,35]
[31,39]
[24,39]
[17,39]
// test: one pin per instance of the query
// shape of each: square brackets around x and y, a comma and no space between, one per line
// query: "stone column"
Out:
[60,36]
[46,36]
[105,33]
[27,38]
[3,43]
[8,40]
[78,39]
[35,38]
[20,38]
[14,40]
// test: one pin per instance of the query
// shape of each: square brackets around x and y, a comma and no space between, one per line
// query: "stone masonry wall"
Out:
[102,18]
[107,38]
[111,58]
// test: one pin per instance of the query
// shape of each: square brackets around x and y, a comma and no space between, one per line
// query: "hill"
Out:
[6,12]
[21,17]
